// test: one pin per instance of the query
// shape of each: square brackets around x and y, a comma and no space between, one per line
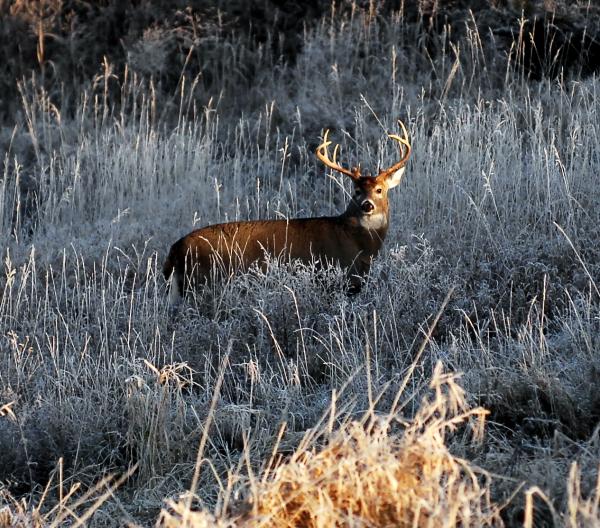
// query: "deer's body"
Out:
[350,240]
[340,240]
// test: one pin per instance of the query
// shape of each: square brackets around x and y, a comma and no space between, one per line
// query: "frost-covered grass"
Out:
[268,385]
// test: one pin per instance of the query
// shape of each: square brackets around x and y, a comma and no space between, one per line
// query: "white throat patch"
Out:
[374,221]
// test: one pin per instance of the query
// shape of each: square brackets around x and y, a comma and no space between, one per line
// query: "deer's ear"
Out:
[395,178]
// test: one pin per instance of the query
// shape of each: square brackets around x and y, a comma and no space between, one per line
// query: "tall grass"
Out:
[499,205]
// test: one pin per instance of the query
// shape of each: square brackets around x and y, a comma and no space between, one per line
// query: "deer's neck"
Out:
[374,226]
[375,222]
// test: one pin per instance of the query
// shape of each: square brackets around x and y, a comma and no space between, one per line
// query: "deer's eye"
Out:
[379,191]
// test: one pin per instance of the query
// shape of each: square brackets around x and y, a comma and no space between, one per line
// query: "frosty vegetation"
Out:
[461,387]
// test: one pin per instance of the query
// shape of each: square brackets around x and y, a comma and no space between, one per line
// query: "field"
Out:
[461,387]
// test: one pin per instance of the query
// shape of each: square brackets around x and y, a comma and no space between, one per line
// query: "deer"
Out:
[351,240]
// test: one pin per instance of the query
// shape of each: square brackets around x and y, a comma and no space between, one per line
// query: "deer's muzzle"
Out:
[367,206]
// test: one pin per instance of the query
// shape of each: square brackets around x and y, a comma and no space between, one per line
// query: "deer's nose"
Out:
[367,206]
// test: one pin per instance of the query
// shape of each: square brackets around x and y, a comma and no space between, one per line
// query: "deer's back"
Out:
[236,245]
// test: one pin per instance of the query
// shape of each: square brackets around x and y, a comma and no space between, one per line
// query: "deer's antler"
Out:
[404,142]
[323,155]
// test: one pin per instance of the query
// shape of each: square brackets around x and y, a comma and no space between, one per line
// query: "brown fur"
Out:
[235,246]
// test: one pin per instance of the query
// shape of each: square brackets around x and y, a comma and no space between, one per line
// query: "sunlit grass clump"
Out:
[376,471]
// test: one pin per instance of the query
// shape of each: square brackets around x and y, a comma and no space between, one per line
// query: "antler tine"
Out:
[405,143]
[323,155]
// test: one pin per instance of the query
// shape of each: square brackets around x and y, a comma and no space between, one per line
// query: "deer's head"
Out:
[369,201]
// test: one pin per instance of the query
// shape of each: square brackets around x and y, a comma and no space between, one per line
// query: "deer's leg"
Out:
[175,288]
[356,275]
[355,283]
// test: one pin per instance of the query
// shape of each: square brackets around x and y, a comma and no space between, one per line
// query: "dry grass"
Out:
[376,471]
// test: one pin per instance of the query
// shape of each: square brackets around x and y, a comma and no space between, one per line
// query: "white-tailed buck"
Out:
[351,239]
